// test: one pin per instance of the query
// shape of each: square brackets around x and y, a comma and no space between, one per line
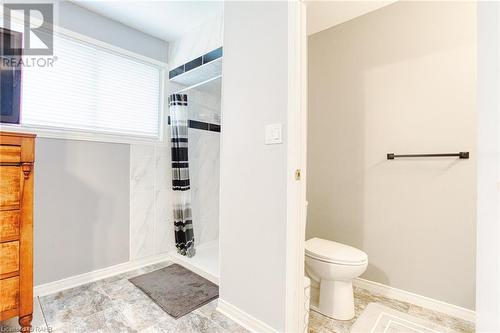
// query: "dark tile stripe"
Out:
[177,71]
[193,64]
[206,58]
[198,125]
[214,127]
[212,55]
[201,125]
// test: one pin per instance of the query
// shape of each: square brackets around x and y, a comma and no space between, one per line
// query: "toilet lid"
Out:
[334,252]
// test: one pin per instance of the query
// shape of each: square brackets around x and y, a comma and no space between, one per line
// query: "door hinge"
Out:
[297,174]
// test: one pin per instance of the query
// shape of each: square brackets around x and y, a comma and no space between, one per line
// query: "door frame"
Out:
[487,235]
[488,185]
[296,160]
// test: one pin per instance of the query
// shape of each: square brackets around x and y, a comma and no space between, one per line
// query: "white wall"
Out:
[400,79]
[253,183]
[488,223]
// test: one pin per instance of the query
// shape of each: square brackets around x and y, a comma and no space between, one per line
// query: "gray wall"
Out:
[400,79]
[253,178]
[88,23]
[81,207]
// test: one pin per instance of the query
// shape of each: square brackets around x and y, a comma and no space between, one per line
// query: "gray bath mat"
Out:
[176,290]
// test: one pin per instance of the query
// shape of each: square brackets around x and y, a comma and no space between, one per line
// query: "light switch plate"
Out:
[273,134]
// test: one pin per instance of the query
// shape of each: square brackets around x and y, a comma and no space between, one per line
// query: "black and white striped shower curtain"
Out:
[183,222]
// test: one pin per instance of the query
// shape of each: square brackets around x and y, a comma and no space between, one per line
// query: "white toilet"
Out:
[334,265]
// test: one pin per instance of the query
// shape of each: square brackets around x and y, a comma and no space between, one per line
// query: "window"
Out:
[93,89]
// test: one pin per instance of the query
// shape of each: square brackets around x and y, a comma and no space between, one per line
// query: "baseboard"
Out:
[423,301]
[244,319]
[78,280]
[187,264]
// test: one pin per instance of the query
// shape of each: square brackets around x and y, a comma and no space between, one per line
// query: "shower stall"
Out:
[199,82]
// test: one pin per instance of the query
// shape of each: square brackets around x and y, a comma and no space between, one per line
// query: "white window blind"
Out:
[92,89]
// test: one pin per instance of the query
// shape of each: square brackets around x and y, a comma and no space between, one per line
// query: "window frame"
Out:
[99,136]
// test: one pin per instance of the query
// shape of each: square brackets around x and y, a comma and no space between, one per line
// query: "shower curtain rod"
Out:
[198,84]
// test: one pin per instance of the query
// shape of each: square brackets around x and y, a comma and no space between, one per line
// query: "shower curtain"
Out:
[183,222]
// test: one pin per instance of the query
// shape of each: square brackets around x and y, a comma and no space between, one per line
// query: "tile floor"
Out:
[116,305]
[322,324]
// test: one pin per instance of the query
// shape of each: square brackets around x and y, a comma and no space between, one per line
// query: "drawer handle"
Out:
[26,167]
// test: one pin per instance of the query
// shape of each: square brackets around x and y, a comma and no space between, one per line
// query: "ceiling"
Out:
[322,15]
[167,20]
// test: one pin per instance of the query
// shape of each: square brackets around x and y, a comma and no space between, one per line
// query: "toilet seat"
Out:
[335,253]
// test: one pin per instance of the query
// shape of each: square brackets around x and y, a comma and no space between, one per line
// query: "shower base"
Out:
[205,263]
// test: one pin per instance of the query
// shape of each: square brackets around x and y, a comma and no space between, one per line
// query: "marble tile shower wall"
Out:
[151,220]
[204,161]
[151,230]
[204,101]
[204,169]
[194,43]
[204,106]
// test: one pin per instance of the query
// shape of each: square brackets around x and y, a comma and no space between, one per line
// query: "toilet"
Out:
[334,265]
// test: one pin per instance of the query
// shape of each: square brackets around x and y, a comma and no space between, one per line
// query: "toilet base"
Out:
[336,299]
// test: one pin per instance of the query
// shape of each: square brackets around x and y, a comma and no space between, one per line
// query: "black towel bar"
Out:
[462,154]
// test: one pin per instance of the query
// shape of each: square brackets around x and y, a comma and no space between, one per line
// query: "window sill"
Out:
[80,135]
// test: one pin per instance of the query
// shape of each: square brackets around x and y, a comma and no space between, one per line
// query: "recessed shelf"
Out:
[199,74]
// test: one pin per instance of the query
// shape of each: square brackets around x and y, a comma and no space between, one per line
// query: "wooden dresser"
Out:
[17,155]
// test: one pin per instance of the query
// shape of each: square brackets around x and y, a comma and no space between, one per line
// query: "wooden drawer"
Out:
[9,294]
[10,154]
[17,154]
[10,187]
[9,257]
[9,225]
